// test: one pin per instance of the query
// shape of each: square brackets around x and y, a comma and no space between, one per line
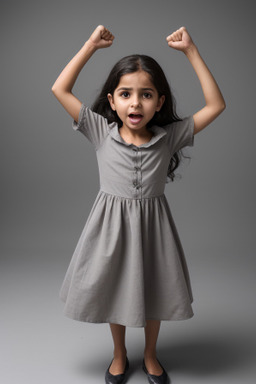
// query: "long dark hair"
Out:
[166,115]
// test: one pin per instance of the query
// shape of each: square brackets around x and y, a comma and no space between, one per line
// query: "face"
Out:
[135,100]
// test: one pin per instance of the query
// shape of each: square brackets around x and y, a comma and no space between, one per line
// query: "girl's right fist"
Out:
[101,37]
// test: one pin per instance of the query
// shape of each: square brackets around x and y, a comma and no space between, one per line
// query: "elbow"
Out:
[57,92]
[222,104]
[221,107]
[217,109]
[54,90]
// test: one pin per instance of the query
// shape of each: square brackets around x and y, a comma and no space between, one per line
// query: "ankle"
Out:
[120,352]
[149,354]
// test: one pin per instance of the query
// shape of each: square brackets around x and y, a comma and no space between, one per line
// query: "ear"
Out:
[111,101]
[160,103]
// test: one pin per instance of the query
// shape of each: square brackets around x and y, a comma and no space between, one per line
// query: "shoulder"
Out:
[92,116]
[180,133]
[179,123]
[93,125]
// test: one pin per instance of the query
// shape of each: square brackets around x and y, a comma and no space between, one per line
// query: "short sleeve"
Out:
[180,134]
[92,125]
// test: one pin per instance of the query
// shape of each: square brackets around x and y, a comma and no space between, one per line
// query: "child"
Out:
[129,268]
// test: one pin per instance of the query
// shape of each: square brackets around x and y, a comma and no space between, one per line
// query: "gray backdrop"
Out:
[49,180]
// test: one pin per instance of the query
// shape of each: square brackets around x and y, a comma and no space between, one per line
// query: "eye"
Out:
[125,94]
[147,95]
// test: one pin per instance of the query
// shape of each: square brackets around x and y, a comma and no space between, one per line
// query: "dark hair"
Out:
[166,115]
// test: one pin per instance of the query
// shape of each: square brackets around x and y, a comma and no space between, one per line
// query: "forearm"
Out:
[68,76]
[211,91]
[100,38]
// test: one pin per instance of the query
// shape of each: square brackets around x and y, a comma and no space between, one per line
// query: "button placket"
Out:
[137,177]
[140,173]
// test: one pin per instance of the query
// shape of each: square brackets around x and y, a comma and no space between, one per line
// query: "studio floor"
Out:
[40,345]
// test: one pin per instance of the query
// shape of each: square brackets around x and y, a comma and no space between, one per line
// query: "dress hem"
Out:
[124,322]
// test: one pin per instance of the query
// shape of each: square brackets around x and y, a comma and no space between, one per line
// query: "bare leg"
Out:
[118,333]
[151,334]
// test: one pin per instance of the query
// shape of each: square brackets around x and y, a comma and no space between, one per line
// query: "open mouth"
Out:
[135,118]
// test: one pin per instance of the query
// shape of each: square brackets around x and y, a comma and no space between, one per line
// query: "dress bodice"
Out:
[128,170]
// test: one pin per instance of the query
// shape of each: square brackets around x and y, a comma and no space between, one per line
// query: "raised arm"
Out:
[62,88]
[214,100]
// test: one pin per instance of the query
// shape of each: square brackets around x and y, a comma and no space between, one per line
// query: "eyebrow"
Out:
[130,89]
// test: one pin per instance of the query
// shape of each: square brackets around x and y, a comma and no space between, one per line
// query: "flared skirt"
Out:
[128,265]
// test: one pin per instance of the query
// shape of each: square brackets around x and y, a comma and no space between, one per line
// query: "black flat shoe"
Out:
[153,379]
[116,379]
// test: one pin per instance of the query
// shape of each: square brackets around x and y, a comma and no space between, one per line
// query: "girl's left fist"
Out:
[180,40]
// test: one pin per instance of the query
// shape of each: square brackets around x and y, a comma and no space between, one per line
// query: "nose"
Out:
[135,102]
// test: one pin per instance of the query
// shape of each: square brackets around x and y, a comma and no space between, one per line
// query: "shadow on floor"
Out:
[206,356]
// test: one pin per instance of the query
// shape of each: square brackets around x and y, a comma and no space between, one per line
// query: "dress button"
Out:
[137,168]
[135,149]
[135,183]
[137,186]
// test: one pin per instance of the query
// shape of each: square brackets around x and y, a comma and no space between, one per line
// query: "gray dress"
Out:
[129,264]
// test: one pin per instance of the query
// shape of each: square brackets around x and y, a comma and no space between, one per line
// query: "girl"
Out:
[129,268]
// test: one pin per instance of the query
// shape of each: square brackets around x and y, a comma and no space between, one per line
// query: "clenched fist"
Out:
[101,37]
[180,40]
